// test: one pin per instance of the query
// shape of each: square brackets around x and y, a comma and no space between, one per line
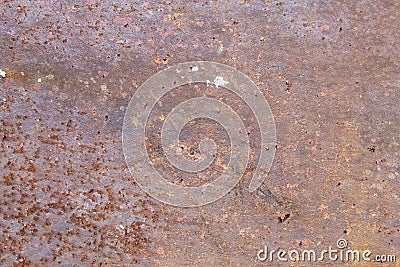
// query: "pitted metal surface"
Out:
[329,71]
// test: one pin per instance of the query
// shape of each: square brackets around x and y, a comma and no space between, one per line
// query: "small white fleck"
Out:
[121,226]
[208,82]
[103,87]
[2,73]
[39,80]
[195,68]
[219,81]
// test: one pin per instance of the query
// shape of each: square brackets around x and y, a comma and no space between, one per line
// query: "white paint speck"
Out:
[219,81]
[208,82]
[39,80]
[2,73]
[195,68]
[121,226]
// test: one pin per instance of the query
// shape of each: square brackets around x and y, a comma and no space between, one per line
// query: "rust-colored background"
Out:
[329,70]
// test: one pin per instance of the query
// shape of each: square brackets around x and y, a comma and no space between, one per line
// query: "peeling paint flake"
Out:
[2,73]
[219,81]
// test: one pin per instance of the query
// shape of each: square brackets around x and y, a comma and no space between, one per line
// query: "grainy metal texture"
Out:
[148,97]
[329,70]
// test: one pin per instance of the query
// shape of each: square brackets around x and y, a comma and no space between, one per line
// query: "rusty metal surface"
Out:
[329,70]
